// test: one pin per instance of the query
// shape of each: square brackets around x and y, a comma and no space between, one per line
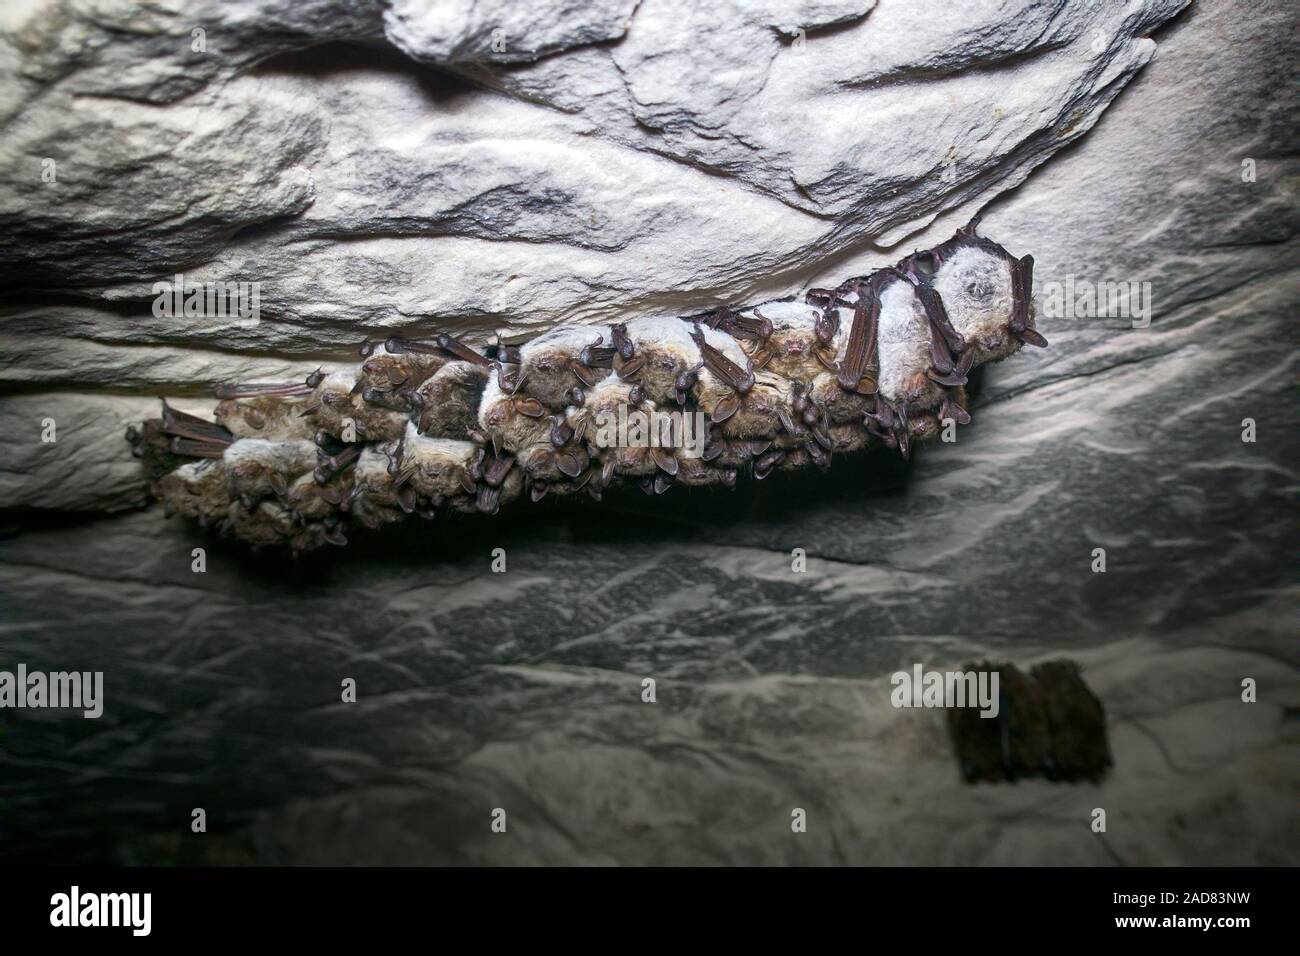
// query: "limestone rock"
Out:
[379,166]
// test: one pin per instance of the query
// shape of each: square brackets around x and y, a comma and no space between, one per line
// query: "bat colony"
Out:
[424,426]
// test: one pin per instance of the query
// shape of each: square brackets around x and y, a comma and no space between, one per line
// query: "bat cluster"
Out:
[1049,724]
[420,427]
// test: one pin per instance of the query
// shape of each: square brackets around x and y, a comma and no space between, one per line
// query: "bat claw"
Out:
[618,336]
[488,501]
[760,325]
[825,326]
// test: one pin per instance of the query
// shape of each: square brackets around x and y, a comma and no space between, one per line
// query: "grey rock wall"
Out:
[501,167]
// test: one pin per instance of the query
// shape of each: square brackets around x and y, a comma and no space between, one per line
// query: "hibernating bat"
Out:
[420,427]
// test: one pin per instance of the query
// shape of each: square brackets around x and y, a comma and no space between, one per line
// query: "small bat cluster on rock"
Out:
[1049,724]
[423,426]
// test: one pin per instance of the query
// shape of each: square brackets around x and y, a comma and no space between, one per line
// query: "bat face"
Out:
[334,392]
[846,438]
[448,401]
[438,468]
[795,348]
[607,422]
[662,354]
[695,473]
[976,288]
[196,489]
[560,471]
[386,370]
[257,467]
[551,365]
[265,416]
[267,523]
[761,409]
[419,428]
[312,501]
[345,407]
[511,420]
[840,406]
[336,406]
[373,499]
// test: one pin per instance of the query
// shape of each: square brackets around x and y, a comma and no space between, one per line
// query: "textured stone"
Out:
[671,171]
[82,467]
[623,175]
[457,31]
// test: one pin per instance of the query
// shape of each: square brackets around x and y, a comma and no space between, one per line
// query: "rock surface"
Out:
[600,160]
[707,155]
